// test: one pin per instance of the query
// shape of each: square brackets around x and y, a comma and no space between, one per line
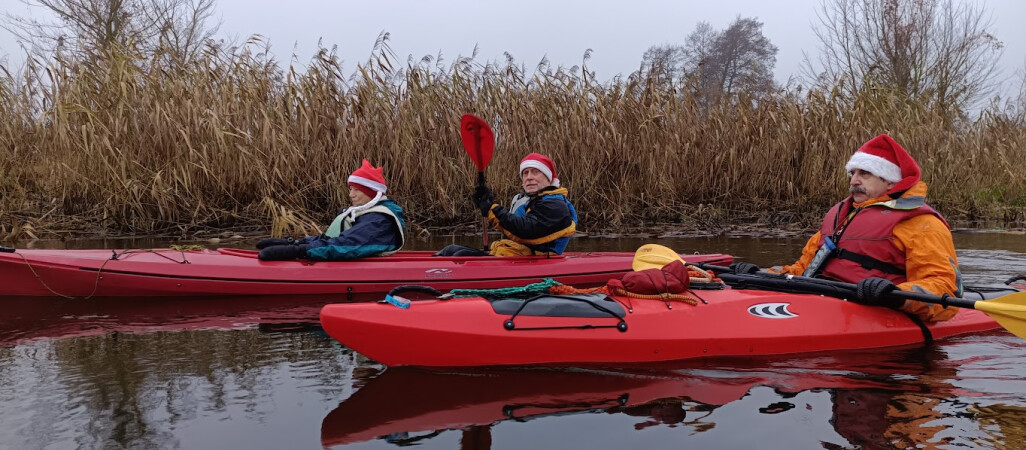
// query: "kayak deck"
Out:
[467,332]
[167,272]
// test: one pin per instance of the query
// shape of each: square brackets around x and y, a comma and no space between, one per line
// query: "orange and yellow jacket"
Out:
[931,265]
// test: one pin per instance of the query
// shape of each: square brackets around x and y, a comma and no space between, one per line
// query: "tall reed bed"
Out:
[234,140]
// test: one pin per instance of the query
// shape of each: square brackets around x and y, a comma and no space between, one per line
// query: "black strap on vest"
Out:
[868,262]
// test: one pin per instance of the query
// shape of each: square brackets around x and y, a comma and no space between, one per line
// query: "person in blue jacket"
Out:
[539,221]
[372,226]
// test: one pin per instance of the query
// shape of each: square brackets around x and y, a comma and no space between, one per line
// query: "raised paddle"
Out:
[479,142]
[1008,310]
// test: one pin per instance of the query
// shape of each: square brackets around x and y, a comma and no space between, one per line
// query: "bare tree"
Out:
[737,59]
[663,64]
[1018,104]
[184,25]
[698,46]
[699,51]
[89,27]
[939,50]
[743,58]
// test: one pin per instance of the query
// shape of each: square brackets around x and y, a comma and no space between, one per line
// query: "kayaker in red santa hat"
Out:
[540,220]
[883,236]
[372,226]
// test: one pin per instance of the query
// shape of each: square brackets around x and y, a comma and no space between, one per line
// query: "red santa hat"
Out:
[368,179]
[543,164]
[883,157]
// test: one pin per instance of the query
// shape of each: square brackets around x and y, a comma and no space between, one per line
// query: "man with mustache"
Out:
[883,236]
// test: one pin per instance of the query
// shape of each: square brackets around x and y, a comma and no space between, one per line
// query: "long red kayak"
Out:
[572,330]
[225,271]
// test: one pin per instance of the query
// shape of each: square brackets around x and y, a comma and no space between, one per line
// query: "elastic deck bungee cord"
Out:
[115,256]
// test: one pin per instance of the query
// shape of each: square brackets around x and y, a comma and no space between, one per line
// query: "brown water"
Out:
[121,376]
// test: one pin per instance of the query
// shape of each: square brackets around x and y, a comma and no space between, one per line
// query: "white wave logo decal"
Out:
[434,274]
[771,311]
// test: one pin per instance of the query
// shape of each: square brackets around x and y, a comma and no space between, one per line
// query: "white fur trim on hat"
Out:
[541,168]
[537,165]
[374,185]
[875,165]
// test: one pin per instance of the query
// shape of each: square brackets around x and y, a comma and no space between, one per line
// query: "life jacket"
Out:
[864,247]
[521,204]
[348,217]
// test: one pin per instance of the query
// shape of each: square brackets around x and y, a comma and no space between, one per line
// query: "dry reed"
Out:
[131,144]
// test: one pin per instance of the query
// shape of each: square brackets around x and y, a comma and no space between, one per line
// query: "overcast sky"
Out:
[617,32]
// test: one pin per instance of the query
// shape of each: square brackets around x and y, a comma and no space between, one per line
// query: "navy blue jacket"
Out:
[372,234]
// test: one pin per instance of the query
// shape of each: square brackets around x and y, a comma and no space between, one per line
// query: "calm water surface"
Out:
[258,373]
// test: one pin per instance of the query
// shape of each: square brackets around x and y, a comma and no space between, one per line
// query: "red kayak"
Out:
[225,271]
[596,329]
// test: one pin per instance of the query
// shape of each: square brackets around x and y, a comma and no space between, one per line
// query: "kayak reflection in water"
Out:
[423,403]
[372,226]
[663,411]
[883,236]
[404,406]
[539,221]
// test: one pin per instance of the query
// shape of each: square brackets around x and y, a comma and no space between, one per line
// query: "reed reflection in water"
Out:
[195,389]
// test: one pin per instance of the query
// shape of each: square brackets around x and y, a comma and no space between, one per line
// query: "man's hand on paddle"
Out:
[744,268]
[873,291]
[483,199]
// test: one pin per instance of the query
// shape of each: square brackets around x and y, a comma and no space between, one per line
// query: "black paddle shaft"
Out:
[825,287]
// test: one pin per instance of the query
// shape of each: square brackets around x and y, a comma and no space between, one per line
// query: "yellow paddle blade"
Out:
[1008,310]
[654,256]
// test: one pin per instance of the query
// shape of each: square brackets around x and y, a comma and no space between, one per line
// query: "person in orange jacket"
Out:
[883,236]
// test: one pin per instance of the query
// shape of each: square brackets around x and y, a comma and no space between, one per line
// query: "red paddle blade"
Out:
[478,140]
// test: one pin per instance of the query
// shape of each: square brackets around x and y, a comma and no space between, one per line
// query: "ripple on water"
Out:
[988,367]
[990,266]
[38,399]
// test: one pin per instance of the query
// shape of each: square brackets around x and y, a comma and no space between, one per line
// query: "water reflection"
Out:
[27,318]
[874,418]
[121,390]
[865,399]
[1008,420]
